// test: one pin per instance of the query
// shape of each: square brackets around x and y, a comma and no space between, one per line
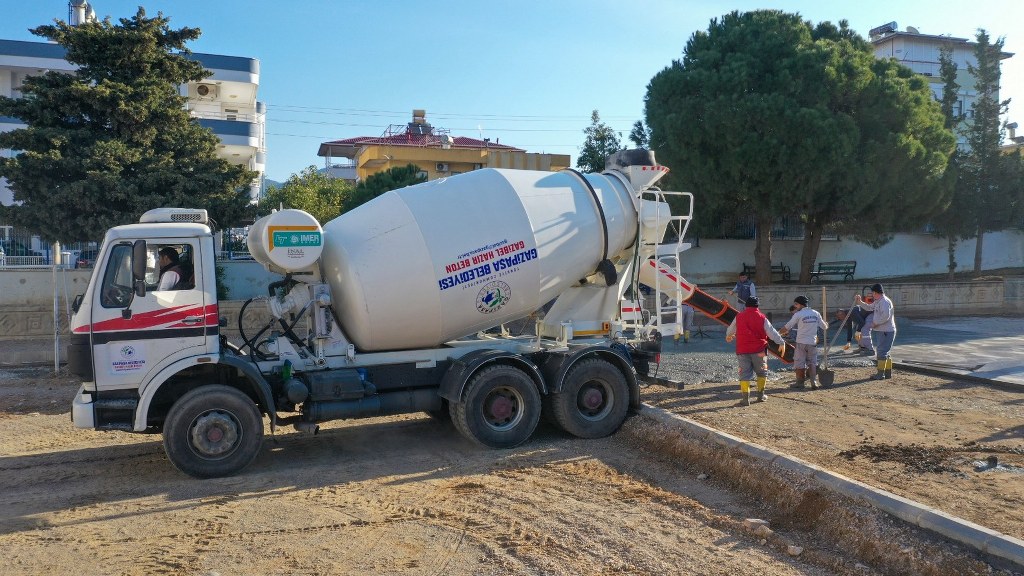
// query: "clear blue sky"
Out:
[527,73]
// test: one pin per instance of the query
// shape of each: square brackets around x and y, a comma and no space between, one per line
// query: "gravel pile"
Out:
[711,359]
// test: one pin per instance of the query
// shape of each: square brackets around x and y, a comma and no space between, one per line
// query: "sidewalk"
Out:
[989,348]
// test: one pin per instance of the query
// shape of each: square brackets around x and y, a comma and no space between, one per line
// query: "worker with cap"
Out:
[807,321]
[743,289]
[883,328]
[752,330]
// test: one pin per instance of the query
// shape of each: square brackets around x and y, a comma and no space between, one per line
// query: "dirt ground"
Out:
[957,446]
[408,495]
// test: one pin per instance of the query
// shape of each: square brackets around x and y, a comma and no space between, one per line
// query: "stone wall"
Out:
[971,298]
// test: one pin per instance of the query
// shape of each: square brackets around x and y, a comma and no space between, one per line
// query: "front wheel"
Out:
[213,431]
[500,407]
[593,401]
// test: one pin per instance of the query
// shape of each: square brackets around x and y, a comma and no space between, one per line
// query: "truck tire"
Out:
[593,401]
[213,431]
[500,407]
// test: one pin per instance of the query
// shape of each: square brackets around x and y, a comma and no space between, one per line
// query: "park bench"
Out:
[781,269]
[844,268]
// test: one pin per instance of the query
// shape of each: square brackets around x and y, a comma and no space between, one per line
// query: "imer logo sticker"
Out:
[130,360]
[493,296]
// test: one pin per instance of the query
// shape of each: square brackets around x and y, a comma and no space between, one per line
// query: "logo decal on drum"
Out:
[493,296]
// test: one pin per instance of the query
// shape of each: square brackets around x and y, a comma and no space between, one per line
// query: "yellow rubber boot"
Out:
[745,391]
[888,367]
[761,396]
[686,336]
[880,375]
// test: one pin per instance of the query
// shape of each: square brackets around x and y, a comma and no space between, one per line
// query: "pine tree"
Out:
[768,117]
[113,139]
[951,224]
[990,176]
[377,184]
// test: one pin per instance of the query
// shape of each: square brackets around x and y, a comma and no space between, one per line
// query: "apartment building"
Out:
[434,150]
[226,102]
[920,53]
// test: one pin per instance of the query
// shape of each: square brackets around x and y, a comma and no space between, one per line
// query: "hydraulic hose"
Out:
[722,312]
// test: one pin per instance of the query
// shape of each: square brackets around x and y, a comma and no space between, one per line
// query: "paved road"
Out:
[982,347]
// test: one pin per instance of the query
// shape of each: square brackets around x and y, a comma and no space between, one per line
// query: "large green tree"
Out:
[600,143]
[772,117]
[739,120]
[310,190]
[991,177]
[113,139]
[895,146]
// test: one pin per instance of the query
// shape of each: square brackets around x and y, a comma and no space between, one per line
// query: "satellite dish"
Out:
[913,30]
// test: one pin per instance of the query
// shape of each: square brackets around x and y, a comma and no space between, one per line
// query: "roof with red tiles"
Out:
[338,147]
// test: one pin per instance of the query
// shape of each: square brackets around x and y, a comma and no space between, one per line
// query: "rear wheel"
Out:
[213,431]
[500,407]
[593,401]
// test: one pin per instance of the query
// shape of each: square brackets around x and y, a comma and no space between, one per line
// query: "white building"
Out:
[920,53]
[225,102]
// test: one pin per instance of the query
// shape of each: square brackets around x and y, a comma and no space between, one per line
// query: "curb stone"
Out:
[982,539]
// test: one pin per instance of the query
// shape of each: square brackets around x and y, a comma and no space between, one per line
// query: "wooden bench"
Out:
[844,268]
[780,269]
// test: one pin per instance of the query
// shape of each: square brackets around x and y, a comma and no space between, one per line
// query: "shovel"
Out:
[825,376]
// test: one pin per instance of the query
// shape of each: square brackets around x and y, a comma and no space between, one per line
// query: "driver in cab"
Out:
[170,271]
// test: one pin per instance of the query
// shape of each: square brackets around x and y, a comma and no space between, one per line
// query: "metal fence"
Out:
[21,249]
[745,228]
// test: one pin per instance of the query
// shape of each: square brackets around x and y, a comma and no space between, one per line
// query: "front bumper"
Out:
[82,413]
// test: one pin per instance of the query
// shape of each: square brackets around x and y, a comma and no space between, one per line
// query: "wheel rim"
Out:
[502,408]
[594,400]
[214,434]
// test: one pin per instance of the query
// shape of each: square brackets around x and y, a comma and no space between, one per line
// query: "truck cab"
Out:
[127,334]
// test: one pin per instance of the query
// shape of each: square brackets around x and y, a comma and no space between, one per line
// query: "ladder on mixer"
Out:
[669,319]
[667,253]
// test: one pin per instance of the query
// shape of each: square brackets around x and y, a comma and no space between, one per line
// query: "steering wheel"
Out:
[117,295]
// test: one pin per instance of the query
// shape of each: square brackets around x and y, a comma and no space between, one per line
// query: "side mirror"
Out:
[77,303]
[139,256]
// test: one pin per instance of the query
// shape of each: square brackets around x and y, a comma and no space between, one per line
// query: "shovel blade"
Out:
[826,377]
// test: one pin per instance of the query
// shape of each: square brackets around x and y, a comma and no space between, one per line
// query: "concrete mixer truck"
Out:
[398,306]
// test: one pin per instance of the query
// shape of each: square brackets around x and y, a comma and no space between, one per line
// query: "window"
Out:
[116,290]
[186,280]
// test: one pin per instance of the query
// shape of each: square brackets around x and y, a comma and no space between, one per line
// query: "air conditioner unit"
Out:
[206,91]
[442,167]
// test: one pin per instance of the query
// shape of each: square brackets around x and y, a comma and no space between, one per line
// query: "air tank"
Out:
[286,240]
[437,261]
